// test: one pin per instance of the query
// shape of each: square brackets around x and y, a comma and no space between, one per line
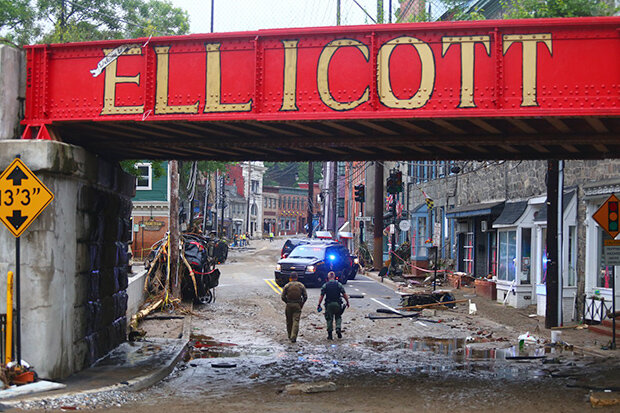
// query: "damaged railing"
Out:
[595,309]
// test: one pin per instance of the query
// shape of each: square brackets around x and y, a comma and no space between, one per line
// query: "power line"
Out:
[364,10]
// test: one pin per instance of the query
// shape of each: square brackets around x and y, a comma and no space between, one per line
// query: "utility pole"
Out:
[551,314]
[334,191]
[222,201]
[216,202]
[377,255]
[310,197]
[173,223]
[247,225]
[350,207]
[204,208]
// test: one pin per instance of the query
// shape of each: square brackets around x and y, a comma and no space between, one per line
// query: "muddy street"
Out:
[242,360]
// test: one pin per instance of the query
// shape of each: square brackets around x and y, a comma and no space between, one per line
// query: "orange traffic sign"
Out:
[22,197]
[607,216]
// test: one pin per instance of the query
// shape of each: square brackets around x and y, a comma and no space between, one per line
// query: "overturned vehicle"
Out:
[198,258]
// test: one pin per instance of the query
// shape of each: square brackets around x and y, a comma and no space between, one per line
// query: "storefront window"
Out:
[572,256]
[493,249]
[606,273]
[420,237]
[526,255]
[469,250]
[543,275]
[507,255]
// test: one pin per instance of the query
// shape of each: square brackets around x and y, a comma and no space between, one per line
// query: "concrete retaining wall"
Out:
[135,293]
[12,80]
[73,258]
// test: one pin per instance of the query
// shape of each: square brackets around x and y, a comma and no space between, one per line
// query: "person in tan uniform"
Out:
[294,295]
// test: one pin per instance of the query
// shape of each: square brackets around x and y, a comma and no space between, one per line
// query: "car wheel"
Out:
[344,279]
[353,274]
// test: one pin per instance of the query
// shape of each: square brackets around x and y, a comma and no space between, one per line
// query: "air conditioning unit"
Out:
[483,226]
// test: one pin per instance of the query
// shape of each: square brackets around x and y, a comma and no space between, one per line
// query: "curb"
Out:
[136,384]
[143,382]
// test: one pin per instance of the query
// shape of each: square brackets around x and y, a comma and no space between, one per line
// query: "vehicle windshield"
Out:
[308,251]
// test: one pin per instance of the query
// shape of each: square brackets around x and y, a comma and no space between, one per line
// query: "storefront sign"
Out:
[152,225]
[612,252]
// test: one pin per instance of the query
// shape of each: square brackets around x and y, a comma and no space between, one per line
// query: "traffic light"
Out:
[395,182]
[359,193]
[390,184]
[612,214]
[398,181]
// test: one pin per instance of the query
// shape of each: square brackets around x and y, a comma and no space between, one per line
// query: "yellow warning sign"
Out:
[22,197]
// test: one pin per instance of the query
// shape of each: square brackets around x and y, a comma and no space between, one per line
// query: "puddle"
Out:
[206,347]
[459,350]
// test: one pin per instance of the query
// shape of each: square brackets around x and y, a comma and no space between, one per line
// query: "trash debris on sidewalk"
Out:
[472,308]
[421,300]
[17,374]
[527,339]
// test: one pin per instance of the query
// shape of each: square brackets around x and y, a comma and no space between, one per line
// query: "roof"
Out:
[541,214]
[473,210]
[511,213]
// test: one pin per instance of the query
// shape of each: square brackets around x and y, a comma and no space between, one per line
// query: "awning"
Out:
[475,210]
[511,213]
[541,214]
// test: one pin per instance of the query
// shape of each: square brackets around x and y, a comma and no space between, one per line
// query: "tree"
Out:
[523,9]
[58,21]
[17,21]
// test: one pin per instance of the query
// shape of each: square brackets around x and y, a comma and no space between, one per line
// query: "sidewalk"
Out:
[520,320]
[130,367]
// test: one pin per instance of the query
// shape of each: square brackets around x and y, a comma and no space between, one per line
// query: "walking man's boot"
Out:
[339,333]
[329,335]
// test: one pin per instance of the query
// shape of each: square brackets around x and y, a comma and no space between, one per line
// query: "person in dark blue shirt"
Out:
[333,292]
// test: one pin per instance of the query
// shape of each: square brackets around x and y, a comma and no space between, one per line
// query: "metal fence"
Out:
[595,310]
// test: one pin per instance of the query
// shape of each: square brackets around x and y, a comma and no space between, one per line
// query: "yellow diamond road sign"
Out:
[22,197]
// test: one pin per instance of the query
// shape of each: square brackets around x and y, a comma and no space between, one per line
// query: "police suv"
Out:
[311,262]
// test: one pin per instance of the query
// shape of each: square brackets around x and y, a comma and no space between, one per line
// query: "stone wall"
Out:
[521,180]
[510,180]
[73,258]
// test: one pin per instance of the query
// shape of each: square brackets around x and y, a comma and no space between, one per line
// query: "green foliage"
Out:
[212,166]
[157,167]
[461,10]
[523,9]
[455,10]
[58,21]
[289,173]
[17,21]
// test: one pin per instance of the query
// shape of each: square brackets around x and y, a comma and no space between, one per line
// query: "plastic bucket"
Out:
[556,336]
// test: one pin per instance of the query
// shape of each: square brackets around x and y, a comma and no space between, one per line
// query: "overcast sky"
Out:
[243,15]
